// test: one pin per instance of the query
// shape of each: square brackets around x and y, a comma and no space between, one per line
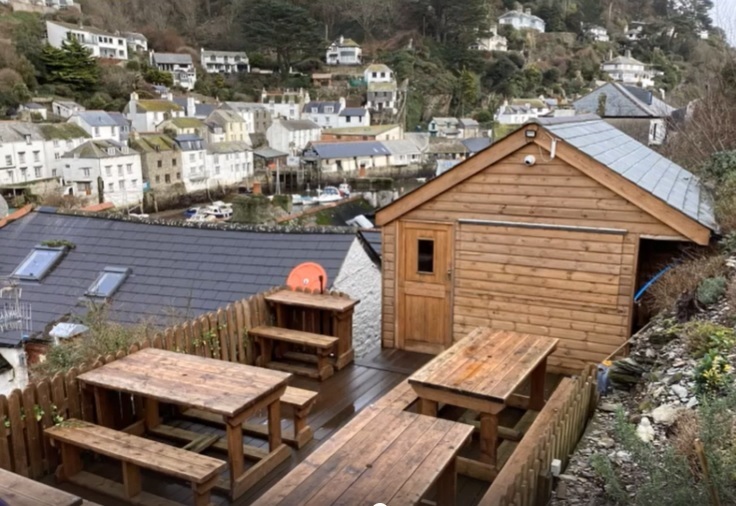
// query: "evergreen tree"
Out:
[468,91]
[71,65]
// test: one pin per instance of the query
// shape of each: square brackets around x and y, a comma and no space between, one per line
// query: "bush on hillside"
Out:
[703,336]
[684,278]
[710,290]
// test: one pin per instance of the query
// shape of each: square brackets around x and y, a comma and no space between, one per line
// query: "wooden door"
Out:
[425,285]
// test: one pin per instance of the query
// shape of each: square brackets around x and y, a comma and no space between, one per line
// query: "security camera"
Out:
[529,160]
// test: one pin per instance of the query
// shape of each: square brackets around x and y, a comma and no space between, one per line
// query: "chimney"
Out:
[133,105]
[342,39]
[628,53]
[610,54]
[663,94]
[528,12]
[191,107]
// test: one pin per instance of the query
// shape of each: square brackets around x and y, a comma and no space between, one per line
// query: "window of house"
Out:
[425,256]
[56,143]
[120,170]
[121,184]
[21,158]
[178,175]
[97,131]
[167,178]
[159,164]
[192,157]
[53,172]
[347,119]
[108,282]
[112,187]
[39,263]
[158,179]
[37,171]
[8,160]
[129,168]
[329,109]
[374,74]
[134,183]
[86,171]
[173,162]
[108,170]
[36,156]
[57,156]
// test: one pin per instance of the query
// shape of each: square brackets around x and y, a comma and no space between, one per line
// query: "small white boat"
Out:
[345,190]
[309,201]
[219,210]
[200,216]
[329,194]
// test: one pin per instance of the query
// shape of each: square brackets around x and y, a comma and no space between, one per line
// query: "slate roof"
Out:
[625,60]
[330,150]
[97,149]
[172,59]
[33,105]
[186,270]
[373,239]
[268,153]
[354,111]
[120,119]
[157,105]
[299,124]
[468,123]
[97,118]
[321,107]
[189,142]
[371,130]
[378,68]
[228,147]
[88,29]
[476,144]
[148,143]
[244,106]
[638,163]
[624,102]
[401,147]
[214,52]
[222,117]
[62,131]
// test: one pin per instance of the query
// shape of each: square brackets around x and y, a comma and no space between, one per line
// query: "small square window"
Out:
[160,164]
[39,263]
[167,178]
[108,282]
[425,256]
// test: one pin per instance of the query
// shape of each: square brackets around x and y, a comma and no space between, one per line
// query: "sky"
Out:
[724,16]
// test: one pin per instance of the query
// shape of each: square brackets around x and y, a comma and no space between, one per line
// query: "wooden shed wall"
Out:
[551,192]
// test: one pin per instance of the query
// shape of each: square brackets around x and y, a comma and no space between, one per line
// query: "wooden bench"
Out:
[401,397]
[518,460]
[299,400]
[135,453]
[17,490]
[323,346]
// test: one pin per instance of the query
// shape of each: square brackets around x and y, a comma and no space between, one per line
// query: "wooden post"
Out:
[274,425]
[131,480]
[71,462]
[447,485]
[152,413]
[427,407]
[536,393]
[488,437]
[235,451]
[104,407]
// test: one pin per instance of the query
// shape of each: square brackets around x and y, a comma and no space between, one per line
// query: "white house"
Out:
[194,173]
[179,65]
[256,116]
[60,139]
[98,124]
[519,111]
[598,33]
[378,73]
[325,114]
[137,42]
[102,44]
[292,136]
[523,20]
[59,4]
[107,165]
[344,52]
[65,108]
[229,163]
[456,128]
[491,42]
[348,156]
[145,115]
[354,117]
[403,153]
[628,70]
[286,104]
[224,62]
[22,154]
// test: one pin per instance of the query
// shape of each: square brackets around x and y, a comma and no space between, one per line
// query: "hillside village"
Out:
[367,251]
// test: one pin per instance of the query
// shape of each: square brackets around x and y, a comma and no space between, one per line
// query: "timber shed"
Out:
[546,232]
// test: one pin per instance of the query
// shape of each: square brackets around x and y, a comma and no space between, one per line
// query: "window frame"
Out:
[50,265]
[122,273]
[420,260]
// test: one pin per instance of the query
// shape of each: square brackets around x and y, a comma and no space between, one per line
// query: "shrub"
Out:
[684,278]
[710,290]
[712,374]
[703,336]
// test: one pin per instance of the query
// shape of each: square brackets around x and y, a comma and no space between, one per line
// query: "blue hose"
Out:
[649,283]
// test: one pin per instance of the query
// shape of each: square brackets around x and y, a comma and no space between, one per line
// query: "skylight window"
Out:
[108,282]
[39,263]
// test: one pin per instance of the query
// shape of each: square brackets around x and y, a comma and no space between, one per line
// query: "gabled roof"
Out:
[148,143]
[16,131]
[624,102]
[401,147]
[468,123]
[97,149]
[157,105]
[186,122]
[354,111]
[344,42]
[658,186]
[120,119]
[624,60]
[244,106]
[520,14]
[378,68]
[228,147]
[330,150]
[178,271]
[189,142]
[96,118]
[373,86]
[476,144]
[172,58]
[62,131]
[33,106]
[214,52]
[221,117]
[299,124]
[88,29]
[321,107]
[371,130]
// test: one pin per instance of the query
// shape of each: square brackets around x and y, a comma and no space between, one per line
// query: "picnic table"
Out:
[16,490]
[482,372]
[318,313]
[383,456]
[233,391]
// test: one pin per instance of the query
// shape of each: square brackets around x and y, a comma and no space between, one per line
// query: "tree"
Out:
[13,91]
[453,21]
[468,91]
[72,65]
[284,28]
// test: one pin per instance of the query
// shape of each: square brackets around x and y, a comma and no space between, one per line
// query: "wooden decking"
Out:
[340,397]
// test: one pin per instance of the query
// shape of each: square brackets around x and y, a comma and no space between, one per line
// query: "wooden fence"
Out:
[221,334]
[532,485]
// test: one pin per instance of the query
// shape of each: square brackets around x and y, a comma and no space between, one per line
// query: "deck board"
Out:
[343,395]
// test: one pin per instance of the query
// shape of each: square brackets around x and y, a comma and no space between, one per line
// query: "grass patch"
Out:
[684,278]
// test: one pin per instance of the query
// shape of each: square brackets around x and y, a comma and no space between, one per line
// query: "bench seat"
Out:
[299,400]
[401,397]
[321,345]
[135,453]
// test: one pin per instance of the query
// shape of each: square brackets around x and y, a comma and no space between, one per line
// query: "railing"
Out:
[221,334]
[532,486]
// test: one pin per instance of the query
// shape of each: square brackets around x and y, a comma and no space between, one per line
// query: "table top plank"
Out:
[217,386]
[312,300]
[487,364]
[377,455]
[18,490]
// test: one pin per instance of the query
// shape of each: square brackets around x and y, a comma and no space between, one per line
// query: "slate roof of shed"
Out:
[476,144]
[172,58]
[401,147]
[638,163]
[353,111]
[624,102]
[330,150]
[373,239]
[187,270]
[97,118]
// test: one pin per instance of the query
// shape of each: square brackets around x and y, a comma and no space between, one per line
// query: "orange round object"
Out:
[308,275]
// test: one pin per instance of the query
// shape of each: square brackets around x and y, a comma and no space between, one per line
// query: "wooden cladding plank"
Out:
[43,390]
[6,456]
[34,444]
[20,457]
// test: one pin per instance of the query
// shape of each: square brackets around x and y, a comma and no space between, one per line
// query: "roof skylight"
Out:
[108,282]
[39,263]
